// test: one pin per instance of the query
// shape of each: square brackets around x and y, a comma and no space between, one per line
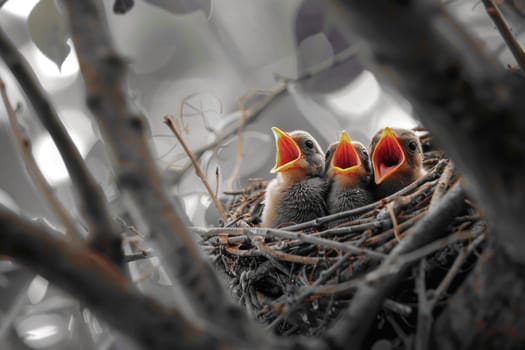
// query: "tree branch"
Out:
[169,122]
[513,45]
[24,144]
[103,232]
[138,176]
[100,286]
[356,321]
[301,237]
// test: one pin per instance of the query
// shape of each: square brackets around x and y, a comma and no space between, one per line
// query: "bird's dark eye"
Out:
[309,143]
[412,146]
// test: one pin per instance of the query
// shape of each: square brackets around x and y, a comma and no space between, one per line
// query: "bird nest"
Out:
[297,279]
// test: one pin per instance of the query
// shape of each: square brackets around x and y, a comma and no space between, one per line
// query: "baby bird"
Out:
[397,160]
[348,167]
[297,193]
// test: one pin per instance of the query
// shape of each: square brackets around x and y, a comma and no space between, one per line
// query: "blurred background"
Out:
[207,63]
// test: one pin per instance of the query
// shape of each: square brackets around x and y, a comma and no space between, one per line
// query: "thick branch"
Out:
[473,107]
[104,234]
[356,321]
[138,176]
[99,286]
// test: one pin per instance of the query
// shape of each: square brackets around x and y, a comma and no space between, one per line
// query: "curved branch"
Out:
[99,286]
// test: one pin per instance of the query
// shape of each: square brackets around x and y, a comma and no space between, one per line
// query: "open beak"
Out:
[387,156]
[345,159]
[287,151]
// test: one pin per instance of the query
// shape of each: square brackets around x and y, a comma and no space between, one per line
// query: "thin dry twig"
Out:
[442,185]
[401,260]
[393,217]
[306,238]
[454,269]
[24,144]
[220,209]
[217,182]
[258,241]
[513,45]
[240,153]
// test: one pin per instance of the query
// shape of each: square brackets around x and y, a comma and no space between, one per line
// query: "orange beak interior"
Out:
[287,151]
[345,159]
[387,156]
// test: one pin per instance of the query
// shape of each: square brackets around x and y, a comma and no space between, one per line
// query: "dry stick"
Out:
[169,122]
[137,256]
[240,154]
[401,260]
[407,341]
[425,306]
[110,295]
[504,30]
[24,144]
[216,181]
[442,185]
[306,238]
[104,234]
[357,319]
[453,270]
[138,177]
[305,293]
[397,307]
[395,266]
[393,217]
[258,241]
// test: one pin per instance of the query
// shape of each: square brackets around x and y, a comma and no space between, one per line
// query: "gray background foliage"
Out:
[210,53]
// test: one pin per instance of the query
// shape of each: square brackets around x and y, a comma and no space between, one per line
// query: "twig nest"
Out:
[297,279]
